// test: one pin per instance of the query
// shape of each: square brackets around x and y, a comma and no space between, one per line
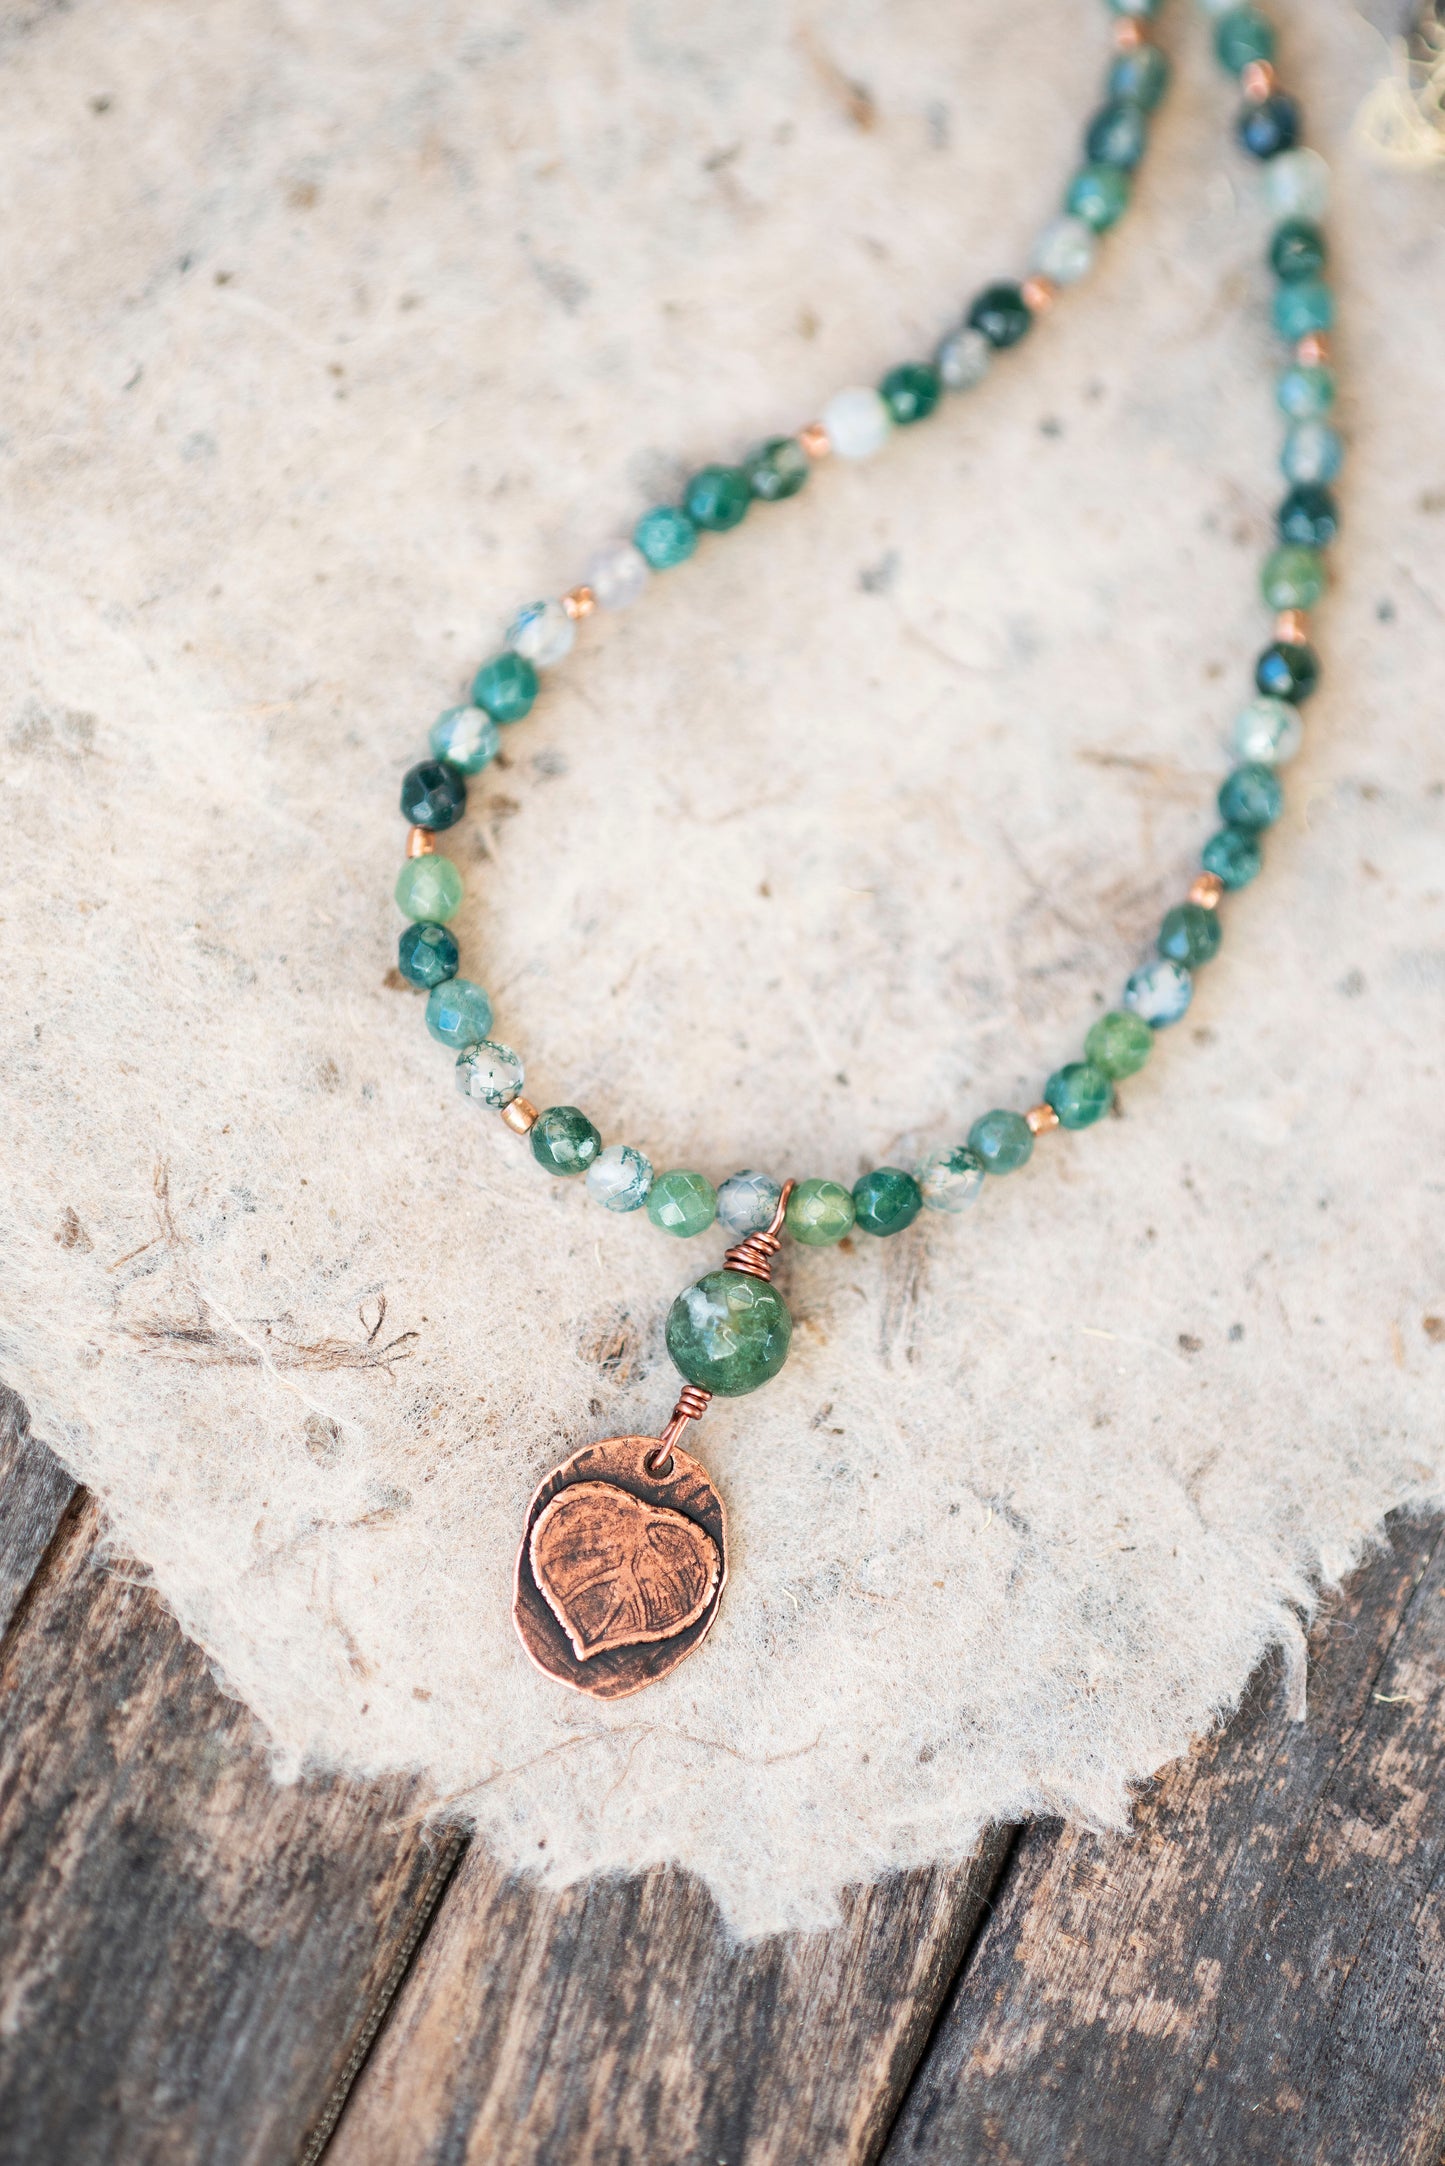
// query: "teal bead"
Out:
[682,1203]
[1140,77]
[429,888]
[777,469]
[1080,1094]
[1003,1141]
[466,738]
[433,795]
[1307,305]
[1313,452]
[506,687]
[717,498]
[1293,577]
[1118,135]
[1119,1044]
[665,536]
[1252,797]
[886,1200]
[1232,856]
[1241,36]
[911,391]
[1190,934]
[1309,514]
[1305,392]
[1141,10]
[1290,669]
[1099,195]
[427,955]
[729,1332]
[458,1014]
[1297,250]
[819,1213]
[564,1140]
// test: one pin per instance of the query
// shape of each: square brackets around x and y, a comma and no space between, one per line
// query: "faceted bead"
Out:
[1001,1141]
[911,391]
[458,1013]
[1269,127]
[1065,250]
[1118,1044]
[819,1213]
[1241,36]
[1290,669]
[1141,77]
[963,360]
[432,795]
[1307,305]
[617,574]
[1312,452]
[1190,934]
[506,686]
[1292,578]
[564,1140]
[1309,514]
[777,469]
[1305,392]
[429,888]
[489,1074]
[1118,135]
[619,1178]
[427,955]
[857,421]
[950,1180]
[1297,184]
[1002,314]
[717,498]
[542,634]
[1232,856]
[465,738]
[1079,1093]
[1159,993]
[682,1203]
[1252,797]
[746,1203]
[1297,250]
[1268,732]
[729,1333]
[665,536]
[886,1200]
[1099,195]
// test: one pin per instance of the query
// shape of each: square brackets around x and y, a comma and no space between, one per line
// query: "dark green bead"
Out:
[1290,669]
[506,687]
[427,955]
[1232,856]
[886,1200]
[1297,250]
[1309,514]
[433,795]
[911,391]
[1140,77]
[1119,1044]
[1117,135]
[666,536]
[1080,1094]
[1241,36]
[1273,125]
[1251,798]
[1002,314]
[777,469]
[1190,934]
[718,498]
[729,1332]
[1003,1141]
[1292,577]
[564,1140]
[1099,195]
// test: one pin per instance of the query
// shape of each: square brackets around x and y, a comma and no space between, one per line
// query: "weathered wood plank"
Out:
[1257,1973]
[619,2022]
[35,1492]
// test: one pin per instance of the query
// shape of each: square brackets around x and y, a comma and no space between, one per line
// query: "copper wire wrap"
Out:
[755,1255]
[420,842]
[692,1403]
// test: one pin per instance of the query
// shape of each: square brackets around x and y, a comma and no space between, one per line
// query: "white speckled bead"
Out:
[1269,731]
[542,634]
[1159,993]
[962,360]
[490,1074]
[617,575]
[465,737]
[746,1203]
[857,421]
[950,1180]
[1065,250]
[1297,184]
[619,1178]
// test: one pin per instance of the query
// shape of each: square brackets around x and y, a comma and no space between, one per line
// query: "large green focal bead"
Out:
[729,1332]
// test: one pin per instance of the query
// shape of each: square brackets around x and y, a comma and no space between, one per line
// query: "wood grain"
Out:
[35,1493]
[619,2022]
[1257,1973]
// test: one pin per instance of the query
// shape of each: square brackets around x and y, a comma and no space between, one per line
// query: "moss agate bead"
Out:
[429,889]
[542,633]
[717,498]
[433,795]
[951,1179]
[490,1075]
[1140,77]
[1252,797]
[564,1140]
[1190,934]
[458,1013]
[963,360]
[1001,1141]
[1290,669]
[427,955]
[1159,992]
[1306,305]
[1293,577]
[1269,127]
[729,1333]
[665,536]
[777,469]
[1117,135]
[911,391]
[886,1200]
[619,1178]
[747,1202]
[506,687]
[1118,1045]
[1297,184]
[617,573]
[1306,392]
[1312,452]
[1297,250]
[1268,731]
[1240,36]
[1079,1093]
[819,1213]
[1309,514]
[1002,314]
[682,1203]
[1065,250]
[1232,856]
[1099,195]
[465,738]
[857,422]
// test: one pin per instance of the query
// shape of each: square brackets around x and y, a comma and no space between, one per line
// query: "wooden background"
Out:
[198,1965]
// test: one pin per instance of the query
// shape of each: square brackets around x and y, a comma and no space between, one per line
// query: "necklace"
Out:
[623,1555]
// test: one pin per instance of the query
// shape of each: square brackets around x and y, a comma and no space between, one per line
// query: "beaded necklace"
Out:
[623,1556]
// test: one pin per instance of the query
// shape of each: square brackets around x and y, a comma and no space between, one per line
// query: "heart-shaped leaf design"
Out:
[616,1571]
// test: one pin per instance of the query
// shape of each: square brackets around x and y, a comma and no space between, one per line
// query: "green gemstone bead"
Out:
[429,888]
[1099,195]
[1306,392]
[1080,1094]
[682,1203]
[1307,305]
[886,1200]
[458,1013]
[777,469]
[1190,934]
[506,686]
[1290,669]
[1142,9]
[718,498]
[1252,797]
[818,1213]
[1119,1044]
[564,1140]
[1140,77]
[426,955]
[1232,856]
[1118,135]
[911,391]
[1297,250]
[729,1333]
[1241,36]
[1293,577]
[666,536]
[1003,1140]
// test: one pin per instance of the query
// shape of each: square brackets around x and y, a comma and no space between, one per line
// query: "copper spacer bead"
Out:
[1205,890]
[814,440]
[1041,1119]
[420,842]
[579,602]
[1313,350]
[1257,81]
[1128,34]
[1039,293]
[520,1116]
[1292,628]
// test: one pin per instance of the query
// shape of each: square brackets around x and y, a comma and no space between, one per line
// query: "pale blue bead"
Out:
[950,1180]
[1268,732]
[1065,250]
[1305,393]
[1297,184]
[542,634]
[1312,452]
[458,1013]
[1160,992]
[619,1178]
[962,360]
[746,1203]
[490,1075]
[465,737]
